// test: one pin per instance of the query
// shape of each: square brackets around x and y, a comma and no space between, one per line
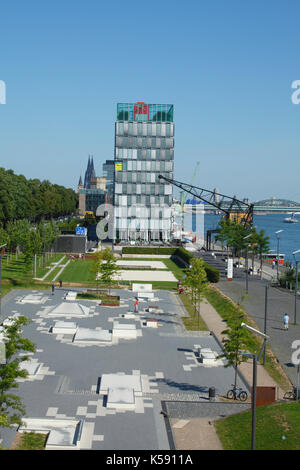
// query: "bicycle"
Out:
[292,395]
[237,393]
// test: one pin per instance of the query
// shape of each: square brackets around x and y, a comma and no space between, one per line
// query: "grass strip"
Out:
[227,309]
[273,422]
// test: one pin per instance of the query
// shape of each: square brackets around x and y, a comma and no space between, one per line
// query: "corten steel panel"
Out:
[70,244]
[265,395]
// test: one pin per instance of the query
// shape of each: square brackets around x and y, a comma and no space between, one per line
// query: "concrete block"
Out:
[141,287]
[121,397]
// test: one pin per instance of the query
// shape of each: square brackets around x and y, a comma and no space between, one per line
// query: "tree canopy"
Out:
[33,199]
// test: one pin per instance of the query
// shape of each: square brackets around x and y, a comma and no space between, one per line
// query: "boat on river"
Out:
[291,220]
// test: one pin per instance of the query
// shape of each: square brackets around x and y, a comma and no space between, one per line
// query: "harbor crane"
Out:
[235,210]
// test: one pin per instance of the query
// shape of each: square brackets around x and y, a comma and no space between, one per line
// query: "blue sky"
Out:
[227,66]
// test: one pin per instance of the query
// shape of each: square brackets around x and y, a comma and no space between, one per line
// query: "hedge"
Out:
[212,273]
[147,250]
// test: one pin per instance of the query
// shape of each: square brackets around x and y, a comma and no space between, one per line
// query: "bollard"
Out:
[212,393]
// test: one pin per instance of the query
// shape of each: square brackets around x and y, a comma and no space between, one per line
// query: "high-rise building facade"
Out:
[144,149]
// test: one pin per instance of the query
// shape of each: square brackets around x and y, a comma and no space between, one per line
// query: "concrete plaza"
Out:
[65,383]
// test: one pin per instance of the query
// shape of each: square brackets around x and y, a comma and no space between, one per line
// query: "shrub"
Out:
[145,250]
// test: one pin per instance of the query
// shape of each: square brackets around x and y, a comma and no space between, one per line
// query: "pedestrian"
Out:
[273,264]
[53,288]
[136,306]
[286,321]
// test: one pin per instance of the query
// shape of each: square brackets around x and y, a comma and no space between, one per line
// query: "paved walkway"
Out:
[199,433]
[279,302]
[215,323]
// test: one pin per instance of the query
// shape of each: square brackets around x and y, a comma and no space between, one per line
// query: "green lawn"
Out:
[31,441]
[78,270]
[228,310]
[272,422]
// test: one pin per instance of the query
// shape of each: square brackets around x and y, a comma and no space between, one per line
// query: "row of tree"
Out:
[33,199]
[234,235]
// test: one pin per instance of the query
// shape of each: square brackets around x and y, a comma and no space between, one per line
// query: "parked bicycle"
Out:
[237,393]
[292,395]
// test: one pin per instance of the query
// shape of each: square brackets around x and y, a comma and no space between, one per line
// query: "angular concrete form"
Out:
[68,309]
[32,299]
[64,434]
[71,295]
[141,287]
[121,397]
[89,336]
[145,295]
[31,367]
[151,323]
[120,381]
[65,328]
[124,330]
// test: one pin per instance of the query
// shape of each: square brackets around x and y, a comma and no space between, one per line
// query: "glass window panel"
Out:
[144,129]
[135,128]
[168,130]
[140,128]
[153,154]
[125,129]
[138,165]
[157,144]
[130,128]
[134,153]
[163,129]
[158,130]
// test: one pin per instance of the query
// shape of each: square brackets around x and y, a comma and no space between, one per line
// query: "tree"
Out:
[262,246]
[234,344]
[105,267]
[195,282]
[11,408]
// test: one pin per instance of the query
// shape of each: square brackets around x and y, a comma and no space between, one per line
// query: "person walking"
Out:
[52,289]
[286,321]
[136,306]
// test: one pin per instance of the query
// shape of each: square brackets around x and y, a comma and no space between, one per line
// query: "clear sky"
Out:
[226,65]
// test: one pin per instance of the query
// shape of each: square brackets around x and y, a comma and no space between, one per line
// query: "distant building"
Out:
[89,174]
[92,193]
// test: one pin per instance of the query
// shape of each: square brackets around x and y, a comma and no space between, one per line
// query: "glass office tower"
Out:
[144,149]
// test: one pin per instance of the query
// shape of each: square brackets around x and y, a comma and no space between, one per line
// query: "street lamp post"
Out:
[2,246]
[296,286]
[278,241]
[265,322]
[247,262]
[255,358]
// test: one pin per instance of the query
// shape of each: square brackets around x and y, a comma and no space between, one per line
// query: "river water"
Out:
[289,239]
